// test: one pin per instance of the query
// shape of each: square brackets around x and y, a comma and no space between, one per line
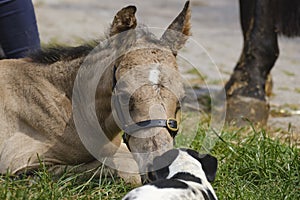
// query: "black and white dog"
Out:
[182,174]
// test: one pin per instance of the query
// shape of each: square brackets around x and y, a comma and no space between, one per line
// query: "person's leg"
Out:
[18,28]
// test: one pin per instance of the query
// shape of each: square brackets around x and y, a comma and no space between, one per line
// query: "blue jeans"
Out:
[18,28]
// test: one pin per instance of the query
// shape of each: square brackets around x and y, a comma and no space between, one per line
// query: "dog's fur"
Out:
[182,174]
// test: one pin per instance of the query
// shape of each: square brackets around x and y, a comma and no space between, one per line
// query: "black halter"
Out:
[170,124]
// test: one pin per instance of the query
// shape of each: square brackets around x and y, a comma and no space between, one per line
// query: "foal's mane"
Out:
[55,53]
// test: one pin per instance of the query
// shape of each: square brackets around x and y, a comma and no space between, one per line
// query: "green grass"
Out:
[41,185]
[251,166]
[256,167]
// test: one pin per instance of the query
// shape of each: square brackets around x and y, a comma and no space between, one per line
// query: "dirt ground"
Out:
[215,26]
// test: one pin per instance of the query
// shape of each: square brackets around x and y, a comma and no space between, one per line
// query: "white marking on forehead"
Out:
[154,74]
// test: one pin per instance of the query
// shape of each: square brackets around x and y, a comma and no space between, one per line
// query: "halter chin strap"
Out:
[170,124]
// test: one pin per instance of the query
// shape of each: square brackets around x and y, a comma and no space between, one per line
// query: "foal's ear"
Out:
[178,31]
[124,20]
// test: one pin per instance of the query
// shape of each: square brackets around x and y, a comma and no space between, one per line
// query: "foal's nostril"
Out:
[145,179]
[149,167]
[150,173]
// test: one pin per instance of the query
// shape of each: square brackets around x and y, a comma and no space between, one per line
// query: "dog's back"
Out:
[182,174]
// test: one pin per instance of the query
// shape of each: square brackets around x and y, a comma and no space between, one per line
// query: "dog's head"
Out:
[183,161]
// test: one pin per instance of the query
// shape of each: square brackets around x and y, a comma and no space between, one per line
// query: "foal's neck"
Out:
[63,76]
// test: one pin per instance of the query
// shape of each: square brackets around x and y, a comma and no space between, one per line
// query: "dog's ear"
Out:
[209,165]
[208,162]
[160,167]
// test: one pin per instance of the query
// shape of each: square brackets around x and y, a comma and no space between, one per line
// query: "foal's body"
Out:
[36,115]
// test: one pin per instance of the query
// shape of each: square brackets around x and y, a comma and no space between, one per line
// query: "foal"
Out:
[42,98]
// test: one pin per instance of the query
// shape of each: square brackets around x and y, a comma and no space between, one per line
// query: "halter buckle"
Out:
[172,124]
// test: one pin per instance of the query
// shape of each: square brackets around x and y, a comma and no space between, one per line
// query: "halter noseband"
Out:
[170,124]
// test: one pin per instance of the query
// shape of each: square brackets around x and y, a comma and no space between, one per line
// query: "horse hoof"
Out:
[243,111]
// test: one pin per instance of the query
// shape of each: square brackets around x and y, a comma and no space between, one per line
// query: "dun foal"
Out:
[37,111]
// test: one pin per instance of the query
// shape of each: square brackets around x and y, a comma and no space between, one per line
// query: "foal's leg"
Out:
[20,151]
[246,97]
[123,165]
[23,154]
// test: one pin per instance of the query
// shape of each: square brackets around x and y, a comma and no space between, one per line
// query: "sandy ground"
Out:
[215,26]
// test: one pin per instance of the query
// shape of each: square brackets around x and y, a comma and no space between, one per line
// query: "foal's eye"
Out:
[178,106]
[182,99]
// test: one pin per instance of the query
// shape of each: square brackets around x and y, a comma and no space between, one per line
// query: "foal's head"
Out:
[147,86]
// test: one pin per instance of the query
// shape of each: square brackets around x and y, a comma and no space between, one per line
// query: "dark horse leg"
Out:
[246,97]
